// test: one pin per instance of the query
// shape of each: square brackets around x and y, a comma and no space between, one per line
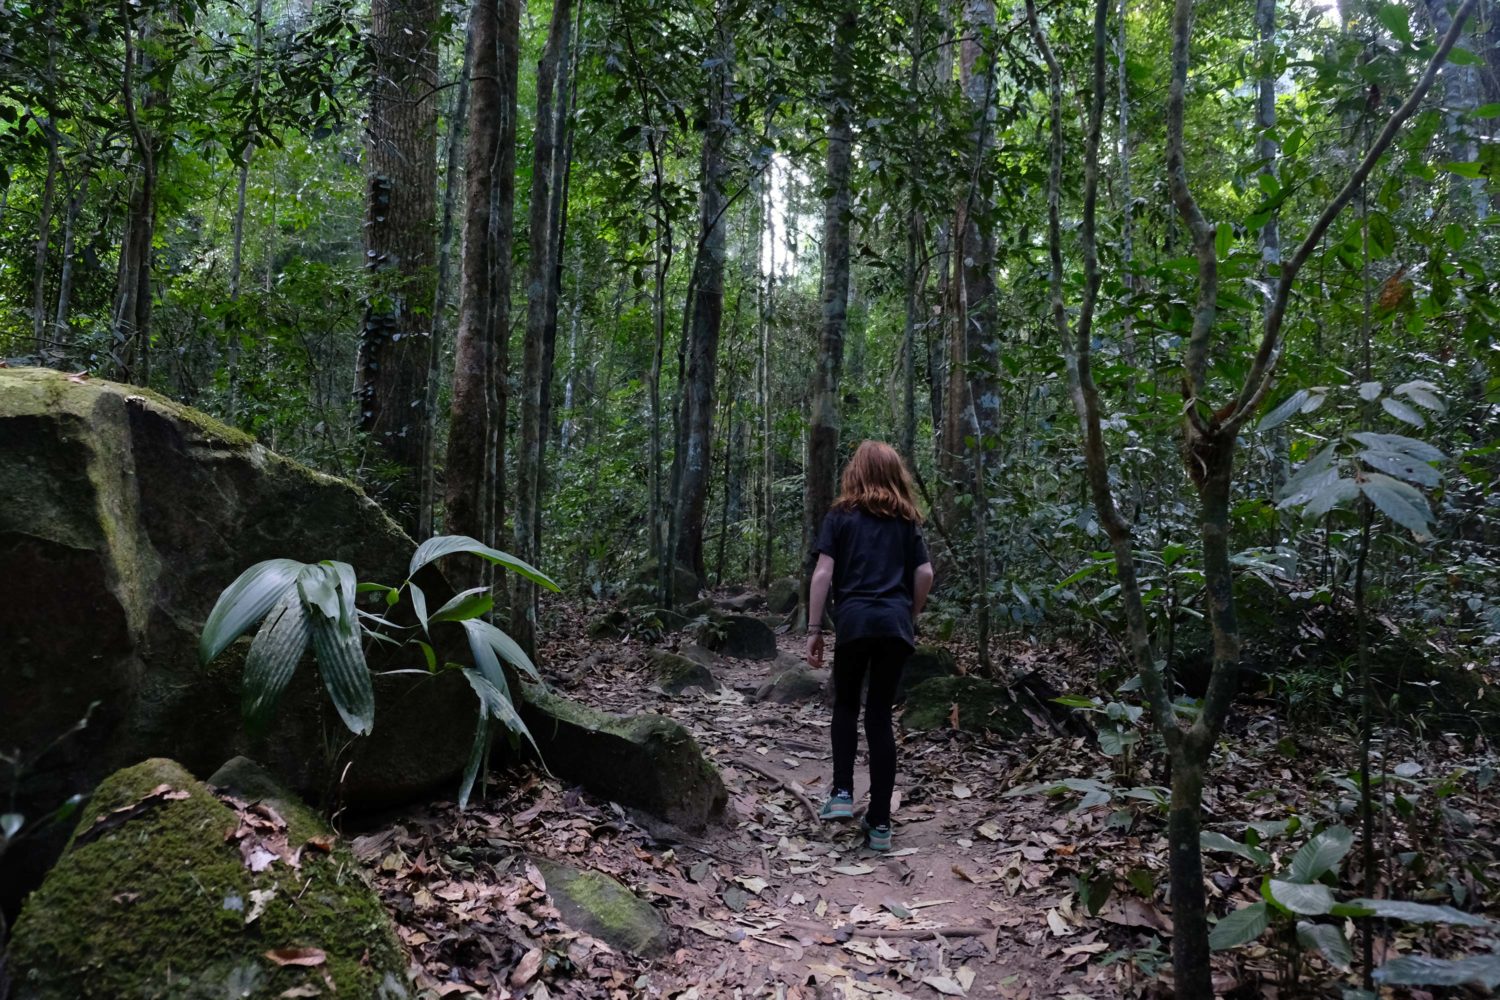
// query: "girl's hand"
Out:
[814,649]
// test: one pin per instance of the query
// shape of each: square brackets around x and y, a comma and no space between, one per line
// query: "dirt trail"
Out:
[773,902]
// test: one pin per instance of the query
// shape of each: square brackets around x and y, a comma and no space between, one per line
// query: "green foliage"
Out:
[300,604]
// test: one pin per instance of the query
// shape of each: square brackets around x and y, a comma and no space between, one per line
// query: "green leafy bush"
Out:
[314,604]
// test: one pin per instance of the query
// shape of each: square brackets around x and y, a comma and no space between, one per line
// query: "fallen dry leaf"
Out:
[297,956]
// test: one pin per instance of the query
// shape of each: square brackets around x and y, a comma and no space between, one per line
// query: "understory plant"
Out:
[314,604]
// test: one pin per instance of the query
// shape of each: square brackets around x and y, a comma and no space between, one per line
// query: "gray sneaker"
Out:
[840,806]
[877,838]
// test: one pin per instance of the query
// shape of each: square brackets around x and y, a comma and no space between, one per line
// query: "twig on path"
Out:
[892,933]
[807,803]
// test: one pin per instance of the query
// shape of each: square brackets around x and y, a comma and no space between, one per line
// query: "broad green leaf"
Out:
[341,662]
[1461,56]
[1283,410]
[1113,741]
[504,646]
[1482,971]
[1402,412]
[1420,450]
[1315,472]
[1315,399]
[485,660]
[496,703]
[348,589]
[478,754]
[429,654]
[1240,927]
[446,545]
[1402,466]
[1076,701]
[1424,394]
[1369,390]
[319,585]
[1321,855]
[419,604]
[1212,841]
[1399,502]
[1382,235]
[1312,900]
[245,602]
[1334,494]
[1328,940]
[469,604]
[1415,913]
[1270,828]
[273,657]
[1224,240]
[1486,111]
[1396,20]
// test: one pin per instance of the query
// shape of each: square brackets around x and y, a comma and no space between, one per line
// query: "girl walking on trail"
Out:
[872,557]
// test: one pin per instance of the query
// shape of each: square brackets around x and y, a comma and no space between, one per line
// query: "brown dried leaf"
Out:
[297,956]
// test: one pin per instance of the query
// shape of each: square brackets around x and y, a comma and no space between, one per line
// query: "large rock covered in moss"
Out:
[646,761]
[979,705]
[783,595]
[154,897]
[122,517]
[675,674]
[924,664]
[742,637]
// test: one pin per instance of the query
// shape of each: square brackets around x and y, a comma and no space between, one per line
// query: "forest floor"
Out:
[1052,890]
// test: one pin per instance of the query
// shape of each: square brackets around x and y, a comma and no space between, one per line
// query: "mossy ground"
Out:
[596,903]
[156,907]
[982,706]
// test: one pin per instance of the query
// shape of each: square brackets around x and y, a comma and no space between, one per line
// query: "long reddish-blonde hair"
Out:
[876,482]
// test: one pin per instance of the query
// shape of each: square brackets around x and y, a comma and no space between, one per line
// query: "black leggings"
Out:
[883,658]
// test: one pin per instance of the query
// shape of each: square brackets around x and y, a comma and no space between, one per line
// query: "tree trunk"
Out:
[441,293]
[233,320]
[476,428]
[767,325]
[976,237]
[1467,198]
[65,274]
[391,373]
[43,241]
[708,311]
[823,425]
[541,314]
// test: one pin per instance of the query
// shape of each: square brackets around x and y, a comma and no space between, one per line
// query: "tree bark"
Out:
[975,237]
[43,241]
[451,183]
[473,474]
[824,423]
[1467,197]
[541,314]
[708,311]
[65,273]
[391,372]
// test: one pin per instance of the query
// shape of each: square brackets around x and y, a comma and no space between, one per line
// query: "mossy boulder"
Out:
[646,761]
[783,595]
[983,706]
[923,665]
[153,899]
[797,684]
[598,905]
[743,637]
[675,674]
[611,625]
[124,516]
[643,585]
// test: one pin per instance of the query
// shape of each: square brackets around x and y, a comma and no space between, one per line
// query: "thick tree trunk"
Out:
[708,311]
[391,373]
[541,315]
[476,427]
[824,423]
[976,236]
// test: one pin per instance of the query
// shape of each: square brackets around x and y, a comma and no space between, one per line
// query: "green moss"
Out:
[595,903]
[982,706]
[156,906]
[676,674]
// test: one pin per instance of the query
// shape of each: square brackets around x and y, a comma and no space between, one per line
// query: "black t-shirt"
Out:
[875,561]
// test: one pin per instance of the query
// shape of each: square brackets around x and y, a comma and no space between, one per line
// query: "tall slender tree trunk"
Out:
[1467,196]
[541,313]
[60,334]
[391,373]
[708,311]
[131,339]
[1127,197]
[767,326]
[451,182]
[43,242]
[473,475]
[233,322]
[976,238]
[824,423]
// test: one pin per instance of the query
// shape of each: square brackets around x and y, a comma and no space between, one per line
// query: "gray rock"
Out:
[784,594]
[743,637]
[123,517]
[798,684]
[923,665]
[646,761]
[676,674]
[983,706]
[596,904]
